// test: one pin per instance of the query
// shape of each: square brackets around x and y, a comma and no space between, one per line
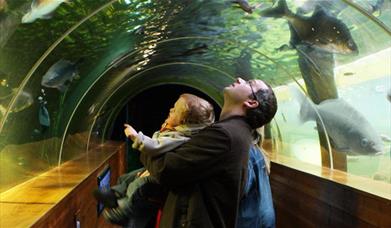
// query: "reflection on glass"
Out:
[330,49]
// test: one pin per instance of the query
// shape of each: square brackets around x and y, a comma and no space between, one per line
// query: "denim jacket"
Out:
[256,206]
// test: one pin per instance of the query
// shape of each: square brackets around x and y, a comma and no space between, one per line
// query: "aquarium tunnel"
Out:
[73,72]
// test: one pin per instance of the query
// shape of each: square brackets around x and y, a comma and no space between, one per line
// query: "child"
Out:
[135,200]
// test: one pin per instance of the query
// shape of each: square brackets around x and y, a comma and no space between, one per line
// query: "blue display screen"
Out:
[103,184]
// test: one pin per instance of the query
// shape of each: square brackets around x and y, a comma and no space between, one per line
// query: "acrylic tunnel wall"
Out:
[69,68]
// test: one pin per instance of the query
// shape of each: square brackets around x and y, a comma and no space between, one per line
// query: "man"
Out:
[206,176]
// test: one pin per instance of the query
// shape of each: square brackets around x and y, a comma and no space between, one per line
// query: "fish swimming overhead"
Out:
[244,5]
[321,30]
[348,130]
[59,74]
[41,9]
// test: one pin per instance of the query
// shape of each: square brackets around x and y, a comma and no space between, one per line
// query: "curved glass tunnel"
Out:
[68,82]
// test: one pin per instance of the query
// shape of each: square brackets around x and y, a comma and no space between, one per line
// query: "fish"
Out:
[389,95]
[244,5]
[376,7]
[348,73]
[243,65]
[371,6]
[385,138]
[23,101]
[43,113]
[348,130]
[42,9]
[59,74]
[198,50]
[321,30]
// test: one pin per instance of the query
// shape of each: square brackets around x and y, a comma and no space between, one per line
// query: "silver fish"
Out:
[23,101]
[59,74]
[348,129]
[42,9]
[321,30]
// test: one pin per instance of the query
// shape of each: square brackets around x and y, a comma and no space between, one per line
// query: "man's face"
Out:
[240,90]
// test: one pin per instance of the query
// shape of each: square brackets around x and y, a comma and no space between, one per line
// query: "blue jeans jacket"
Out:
[256,207]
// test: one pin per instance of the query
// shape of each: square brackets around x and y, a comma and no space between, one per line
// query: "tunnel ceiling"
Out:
[119,45]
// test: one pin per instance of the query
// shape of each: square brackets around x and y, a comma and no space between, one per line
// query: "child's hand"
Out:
[130,132]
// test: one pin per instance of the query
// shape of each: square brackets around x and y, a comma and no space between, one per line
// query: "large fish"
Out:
[41,9]
[348,129]
[59,74]
[320,30]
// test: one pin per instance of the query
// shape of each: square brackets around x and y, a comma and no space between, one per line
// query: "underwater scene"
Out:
[68,67]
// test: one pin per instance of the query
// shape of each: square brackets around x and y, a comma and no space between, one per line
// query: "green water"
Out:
[128,46]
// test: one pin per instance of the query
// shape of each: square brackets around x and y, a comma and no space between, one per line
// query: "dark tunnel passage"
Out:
[147,111]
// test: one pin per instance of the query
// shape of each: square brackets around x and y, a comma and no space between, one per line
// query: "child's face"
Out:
[176,114]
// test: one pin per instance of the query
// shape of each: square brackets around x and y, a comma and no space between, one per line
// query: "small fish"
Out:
[389,95]
[320,30]
[193,51]
[42,9]
[243,66]
[244,5]
[43,114]
[23,101]
[385,138]
[348,73]
[377,7]
[348,129]
[59,74]
[371,6]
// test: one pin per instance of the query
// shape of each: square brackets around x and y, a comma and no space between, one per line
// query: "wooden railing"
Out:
[56,197]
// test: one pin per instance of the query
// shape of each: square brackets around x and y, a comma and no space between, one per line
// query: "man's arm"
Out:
[193,161]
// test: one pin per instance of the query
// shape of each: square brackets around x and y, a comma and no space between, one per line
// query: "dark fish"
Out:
[243,65]
[193,51]
[59,74]
[348,73]
[43,113]
[376,7]
[320,30]
[371,6]
[244,5]
[348,129]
